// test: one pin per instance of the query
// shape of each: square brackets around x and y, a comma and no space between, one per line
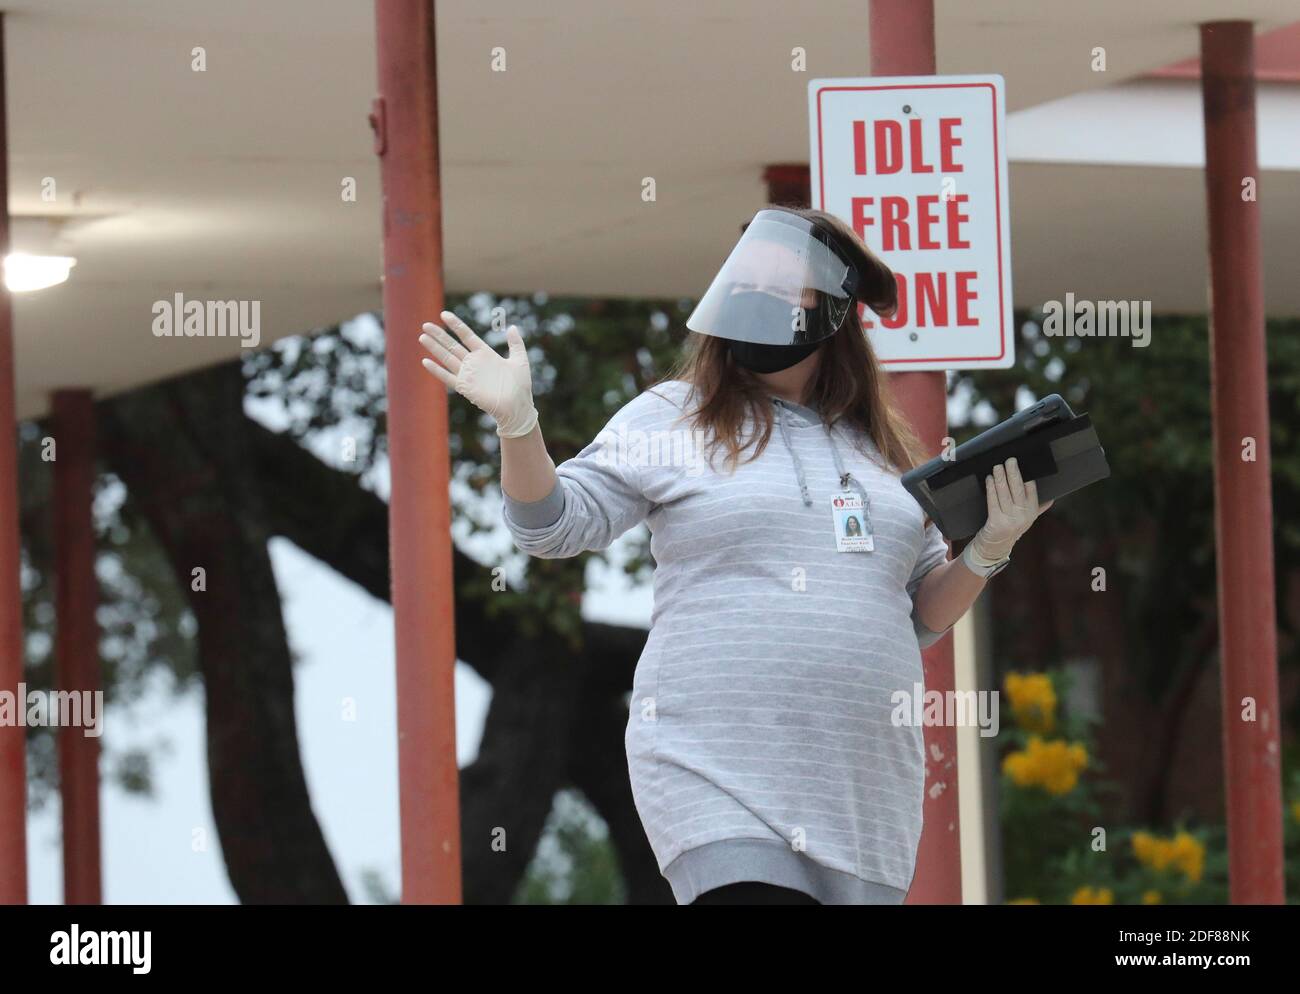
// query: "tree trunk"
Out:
[183,450]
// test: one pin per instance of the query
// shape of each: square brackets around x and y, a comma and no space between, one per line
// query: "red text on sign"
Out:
[896,224]
[893,155]
[936,297]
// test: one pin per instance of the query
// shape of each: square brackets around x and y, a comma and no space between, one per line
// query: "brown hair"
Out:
[849,383]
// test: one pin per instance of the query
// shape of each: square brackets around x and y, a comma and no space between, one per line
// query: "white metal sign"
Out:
[917,166]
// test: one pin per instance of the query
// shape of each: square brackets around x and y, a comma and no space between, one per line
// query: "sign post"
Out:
[916,165]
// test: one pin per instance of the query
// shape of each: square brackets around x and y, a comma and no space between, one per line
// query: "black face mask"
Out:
[761,309]
[770,358]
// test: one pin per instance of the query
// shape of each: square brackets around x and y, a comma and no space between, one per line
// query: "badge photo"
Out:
[852,526]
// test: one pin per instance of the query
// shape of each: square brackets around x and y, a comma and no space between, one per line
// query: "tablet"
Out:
[1052,445]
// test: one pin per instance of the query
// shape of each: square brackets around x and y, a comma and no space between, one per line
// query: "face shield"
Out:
[787,282]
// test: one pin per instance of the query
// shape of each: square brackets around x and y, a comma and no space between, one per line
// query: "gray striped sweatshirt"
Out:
[760,743]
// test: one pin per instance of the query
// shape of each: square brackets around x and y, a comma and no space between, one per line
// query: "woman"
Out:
[765,761]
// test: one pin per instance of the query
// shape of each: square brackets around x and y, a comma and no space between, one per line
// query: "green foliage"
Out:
[1052,846]
[575,862]
[1036,824]
[375,886]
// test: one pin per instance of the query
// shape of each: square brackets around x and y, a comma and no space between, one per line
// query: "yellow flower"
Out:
[1033,701]
[1141,842]
[1016,765]
[1184,852]
[1054,765]
[1087,895]
[1025,900]
[1188,854]
[1146,847]
[1295,811]
[1151,897]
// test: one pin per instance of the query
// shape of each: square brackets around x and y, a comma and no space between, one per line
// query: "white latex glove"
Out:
[500,387]
[1013,507]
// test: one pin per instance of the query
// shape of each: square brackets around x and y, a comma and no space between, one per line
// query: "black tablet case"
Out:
[1062,456]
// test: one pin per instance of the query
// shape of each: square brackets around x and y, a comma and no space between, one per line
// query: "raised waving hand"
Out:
[500,386]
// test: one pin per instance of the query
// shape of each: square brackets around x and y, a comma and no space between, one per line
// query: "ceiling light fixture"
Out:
[25,273]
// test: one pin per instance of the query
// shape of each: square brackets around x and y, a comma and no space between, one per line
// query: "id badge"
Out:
[852,523]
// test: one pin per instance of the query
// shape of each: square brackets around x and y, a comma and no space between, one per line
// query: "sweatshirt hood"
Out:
[787,413]
[799,413]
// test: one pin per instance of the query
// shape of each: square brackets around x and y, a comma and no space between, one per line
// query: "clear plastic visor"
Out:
[782,284]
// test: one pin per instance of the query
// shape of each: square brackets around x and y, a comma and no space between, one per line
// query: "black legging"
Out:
[753,892]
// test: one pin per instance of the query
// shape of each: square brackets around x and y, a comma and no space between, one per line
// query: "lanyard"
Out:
[847,479]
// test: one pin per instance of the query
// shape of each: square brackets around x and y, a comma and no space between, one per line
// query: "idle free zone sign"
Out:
[917,167]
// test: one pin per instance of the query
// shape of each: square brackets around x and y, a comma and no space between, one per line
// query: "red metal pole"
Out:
[1243,521]
[13,744]
[77,640]
[902,44]
[405,120]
